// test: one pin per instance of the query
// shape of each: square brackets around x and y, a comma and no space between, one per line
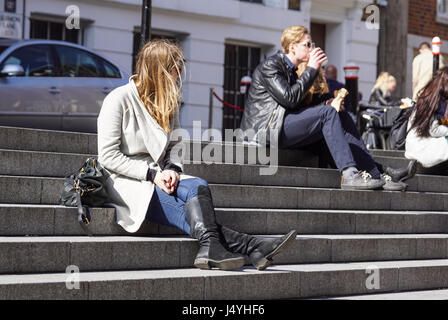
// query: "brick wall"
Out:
[422,19]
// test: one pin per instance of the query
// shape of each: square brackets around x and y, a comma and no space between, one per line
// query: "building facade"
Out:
[427,19]
[223,40]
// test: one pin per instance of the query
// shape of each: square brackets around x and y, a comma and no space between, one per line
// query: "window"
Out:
[40,29]
[36,61]
[442,11]
[441,6]
[239,61]
[294,5]
[78,63]
[110,70]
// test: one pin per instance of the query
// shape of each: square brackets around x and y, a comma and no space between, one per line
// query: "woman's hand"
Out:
[167,180]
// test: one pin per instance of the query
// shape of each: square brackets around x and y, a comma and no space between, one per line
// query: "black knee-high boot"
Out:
[259,250]
[200,215]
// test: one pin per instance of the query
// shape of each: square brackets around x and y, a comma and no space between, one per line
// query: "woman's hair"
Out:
[159,66]
[428,102]
[382,82]
[292,34]
[319,86]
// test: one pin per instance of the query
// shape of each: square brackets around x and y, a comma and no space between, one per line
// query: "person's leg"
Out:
[198,207]
[309,125]
[363,159]
[260,250]
[190,208]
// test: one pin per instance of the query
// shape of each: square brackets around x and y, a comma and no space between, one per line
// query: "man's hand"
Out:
[167,180]
[317,57]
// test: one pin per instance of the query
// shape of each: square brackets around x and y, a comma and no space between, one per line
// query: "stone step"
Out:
[388,153]
[85,143]
[49,220]
[49,164]
[44,190]
[441,294]
[47,140]
[55,254]
[277,282]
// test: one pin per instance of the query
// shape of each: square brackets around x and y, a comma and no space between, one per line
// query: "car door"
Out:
[31,100]
[83,87]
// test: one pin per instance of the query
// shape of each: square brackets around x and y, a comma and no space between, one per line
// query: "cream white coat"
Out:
[129,142]
[429,151]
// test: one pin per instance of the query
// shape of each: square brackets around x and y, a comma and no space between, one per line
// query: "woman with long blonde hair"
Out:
[381,92]
[147,181]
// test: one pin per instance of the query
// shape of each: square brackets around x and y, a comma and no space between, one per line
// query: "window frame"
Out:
[442,17]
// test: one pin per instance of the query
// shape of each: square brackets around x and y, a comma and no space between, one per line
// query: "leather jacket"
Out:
[275,89]
[377,97]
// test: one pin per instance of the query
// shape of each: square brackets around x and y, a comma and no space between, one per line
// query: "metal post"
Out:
[351,84]
[436,44]
[210,113]
[146,22]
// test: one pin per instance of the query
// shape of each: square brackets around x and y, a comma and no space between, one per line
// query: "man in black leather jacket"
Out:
[278,115]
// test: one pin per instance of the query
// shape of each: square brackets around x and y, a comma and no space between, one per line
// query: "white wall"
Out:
[348,40]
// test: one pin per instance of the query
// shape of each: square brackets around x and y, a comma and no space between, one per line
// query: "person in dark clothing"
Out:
[331,75]
[382,90]
[288,107]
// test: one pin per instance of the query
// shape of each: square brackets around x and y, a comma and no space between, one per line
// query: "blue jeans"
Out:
[168,209]
[308,125]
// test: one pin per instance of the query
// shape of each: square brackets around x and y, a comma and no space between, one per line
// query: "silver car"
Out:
[54,85]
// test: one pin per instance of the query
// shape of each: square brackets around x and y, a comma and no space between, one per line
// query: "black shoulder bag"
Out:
[399,131]
[85,188]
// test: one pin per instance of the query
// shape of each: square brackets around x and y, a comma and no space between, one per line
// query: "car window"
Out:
[36,60]
[110,70]
[78,63]
[2,48]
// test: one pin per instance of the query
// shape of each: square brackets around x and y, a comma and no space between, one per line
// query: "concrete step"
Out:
[83,143]
[44,190]
[277,282]
[441,294]
[54,254]
[50,164]
[388,153]
[49,220]
[47,140]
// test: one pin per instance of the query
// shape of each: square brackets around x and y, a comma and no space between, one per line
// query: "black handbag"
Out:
[85,188]
[399,131]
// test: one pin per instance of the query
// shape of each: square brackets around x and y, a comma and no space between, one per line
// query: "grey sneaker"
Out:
[361,181]
[391,185]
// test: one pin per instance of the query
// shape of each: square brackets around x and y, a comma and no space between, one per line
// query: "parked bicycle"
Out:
[378,122]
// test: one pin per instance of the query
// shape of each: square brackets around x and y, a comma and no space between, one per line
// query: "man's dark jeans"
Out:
[309,125]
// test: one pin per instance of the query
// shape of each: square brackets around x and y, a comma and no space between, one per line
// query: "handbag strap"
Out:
[83,219]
